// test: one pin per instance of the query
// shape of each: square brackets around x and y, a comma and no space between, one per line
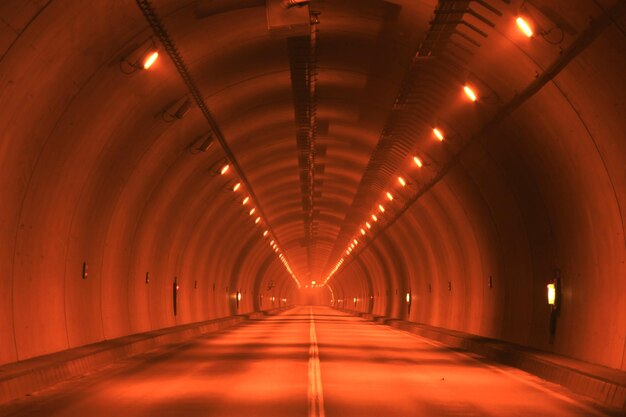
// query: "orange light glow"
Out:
[238,296]
[524,26]
[224,169]
[369,226]
[236,187]
[363,231]
[252,211]
[470,93]
[257,220]
[374,217]
[272,243]
[401,181]
[245,201]
[381,208]
[150,59]
[356,242]
[265,233]
[551,294]
[389,196]
[417,161]
[408,297]
[438,134]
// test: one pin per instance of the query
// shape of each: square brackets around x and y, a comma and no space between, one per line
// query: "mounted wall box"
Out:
[85,270]
[147,277]
[175,289]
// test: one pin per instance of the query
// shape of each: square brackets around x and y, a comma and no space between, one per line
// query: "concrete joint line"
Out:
[315,393]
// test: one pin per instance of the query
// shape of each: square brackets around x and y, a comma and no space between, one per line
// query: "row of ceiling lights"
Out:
[247,201]
[145,62]
[439,134]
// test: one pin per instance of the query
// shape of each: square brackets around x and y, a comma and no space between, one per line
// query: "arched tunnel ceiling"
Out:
[529,178]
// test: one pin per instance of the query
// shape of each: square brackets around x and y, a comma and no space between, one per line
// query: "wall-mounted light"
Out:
[237,186]
[177,110]
[265,233]
[401,181]
[224,169]
[374,217]
[418,162]
[369,226]
[470,93]
[257,220]
[552,294]
[381,208]
[389,196]
[524,26]
[408,297]
[438,133]
[363,232]
[207,142]
[245,201]
[142,58]
[251,212]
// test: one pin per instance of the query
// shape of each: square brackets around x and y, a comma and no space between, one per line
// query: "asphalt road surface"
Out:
[307,361]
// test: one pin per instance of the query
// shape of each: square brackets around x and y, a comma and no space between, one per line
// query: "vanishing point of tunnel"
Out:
[341,208]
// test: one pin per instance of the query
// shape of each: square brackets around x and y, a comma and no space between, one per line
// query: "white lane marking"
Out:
[316,396]
[505,371]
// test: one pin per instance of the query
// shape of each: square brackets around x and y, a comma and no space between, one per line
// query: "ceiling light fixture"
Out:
[401,181]
[418,162]
[224,169]
[470,93]
[438,134]
[524,26]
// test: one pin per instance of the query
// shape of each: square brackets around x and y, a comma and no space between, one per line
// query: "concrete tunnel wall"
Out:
[90,172]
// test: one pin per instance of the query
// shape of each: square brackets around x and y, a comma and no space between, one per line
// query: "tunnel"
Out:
[313,207]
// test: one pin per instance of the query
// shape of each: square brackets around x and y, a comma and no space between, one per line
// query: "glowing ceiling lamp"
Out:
[401,181]
[224,169]
[245,201]
[389,196]
[470,93]
[265,233]
[408,297]
[374,217]
[251,212]
[524,26]
[438,133]
[356,242]
[369,226]
[381,208]
[151,58]
[257,220]
[236,187]
[418,162]
[363,231]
